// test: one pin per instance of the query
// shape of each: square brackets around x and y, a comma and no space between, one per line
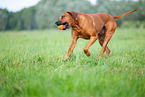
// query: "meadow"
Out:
[31,64]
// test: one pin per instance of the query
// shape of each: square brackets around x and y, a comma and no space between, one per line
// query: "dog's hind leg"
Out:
[101,38]
[110,29]
[101,41]
[104,45]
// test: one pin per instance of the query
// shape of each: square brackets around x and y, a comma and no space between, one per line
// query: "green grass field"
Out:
[31,65]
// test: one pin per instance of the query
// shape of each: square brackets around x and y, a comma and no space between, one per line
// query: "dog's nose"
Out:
[57,22]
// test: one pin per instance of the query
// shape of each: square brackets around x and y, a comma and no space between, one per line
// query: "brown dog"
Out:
[89,26]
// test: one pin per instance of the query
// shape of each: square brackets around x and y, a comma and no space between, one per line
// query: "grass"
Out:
[31,65]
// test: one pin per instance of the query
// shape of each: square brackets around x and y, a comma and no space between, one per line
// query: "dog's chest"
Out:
[81,32]
[83,35]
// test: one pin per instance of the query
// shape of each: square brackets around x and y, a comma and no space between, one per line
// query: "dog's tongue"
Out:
[64,26]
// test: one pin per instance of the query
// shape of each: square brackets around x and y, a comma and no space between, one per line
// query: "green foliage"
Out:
[46,12]
[31,65]
[24,19]
[28,18]
[3,19]
[133,24]
[15,22]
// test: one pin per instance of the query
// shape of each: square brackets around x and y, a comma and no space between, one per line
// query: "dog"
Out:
[99,26]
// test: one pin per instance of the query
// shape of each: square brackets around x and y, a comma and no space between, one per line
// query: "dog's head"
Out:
[67,19]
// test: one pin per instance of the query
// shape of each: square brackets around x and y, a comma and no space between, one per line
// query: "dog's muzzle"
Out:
[66,24]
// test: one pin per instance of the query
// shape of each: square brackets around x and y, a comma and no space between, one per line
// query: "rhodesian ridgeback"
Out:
[99,26]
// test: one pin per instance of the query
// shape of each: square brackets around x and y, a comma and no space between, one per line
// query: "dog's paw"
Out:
[98,57]
[64,59]
[87,53]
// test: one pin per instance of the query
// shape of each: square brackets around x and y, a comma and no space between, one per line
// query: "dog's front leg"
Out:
[71,47]
[91,41]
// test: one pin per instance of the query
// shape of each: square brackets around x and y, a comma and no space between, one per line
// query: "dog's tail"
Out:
[119,16]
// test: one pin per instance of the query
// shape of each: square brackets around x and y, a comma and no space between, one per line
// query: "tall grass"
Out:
[31,65]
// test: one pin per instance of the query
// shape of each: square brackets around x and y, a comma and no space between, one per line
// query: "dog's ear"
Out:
[73,14]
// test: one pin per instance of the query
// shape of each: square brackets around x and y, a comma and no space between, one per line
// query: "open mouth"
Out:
[65,25]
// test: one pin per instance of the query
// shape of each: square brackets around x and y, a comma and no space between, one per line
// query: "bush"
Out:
[133,24]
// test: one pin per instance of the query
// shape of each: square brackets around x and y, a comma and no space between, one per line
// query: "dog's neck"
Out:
[76,26]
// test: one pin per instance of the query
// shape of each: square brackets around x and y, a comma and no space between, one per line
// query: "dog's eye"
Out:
[62,17]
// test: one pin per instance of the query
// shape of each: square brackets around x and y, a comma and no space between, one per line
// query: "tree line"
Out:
[46,12]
